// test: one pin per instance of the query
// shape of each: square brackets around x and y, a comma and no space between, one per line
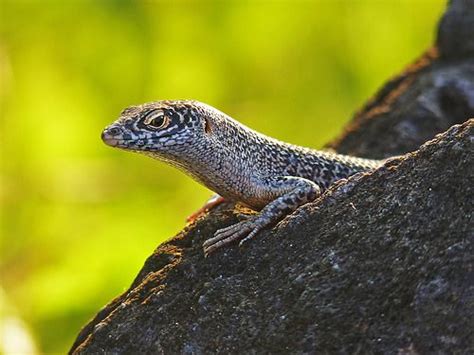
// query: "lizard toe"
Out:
[251,235]
[227,235]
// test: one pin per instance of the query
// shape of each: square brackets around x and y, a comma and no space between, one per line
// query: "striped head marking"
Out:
[162,128]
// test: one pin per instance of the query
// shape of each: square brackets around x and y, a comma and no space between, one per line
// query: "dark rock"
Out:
[456,30]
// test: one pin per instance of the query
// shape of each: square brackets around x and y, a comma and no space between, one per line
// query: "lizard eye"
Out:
[157,121]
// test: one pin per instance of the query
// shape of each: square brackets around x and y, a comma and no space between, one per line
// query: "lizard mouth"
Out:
[115,142]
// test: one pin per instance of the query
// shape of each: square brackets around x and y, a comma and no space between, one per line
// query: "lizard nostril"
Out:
[114,131]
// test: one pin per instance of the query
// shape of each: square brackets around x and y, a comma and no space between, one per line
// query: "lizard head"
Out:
[162,129]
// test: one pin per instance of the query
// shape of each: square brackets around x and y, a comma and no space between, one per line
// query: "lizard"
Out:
[233,160]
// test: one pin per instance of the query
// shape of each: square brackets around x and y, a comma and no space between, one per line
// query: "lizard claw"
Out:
[243,231]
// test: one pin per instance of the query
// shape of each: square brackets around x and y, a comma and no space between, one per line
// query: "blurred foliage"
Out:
[78,218]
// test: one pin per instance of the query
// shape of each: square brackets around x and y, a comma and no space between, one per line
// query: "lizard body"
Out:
[232,160]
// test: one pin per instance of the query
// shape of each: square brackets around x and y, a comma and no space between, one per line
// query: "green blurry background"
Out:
[78,218]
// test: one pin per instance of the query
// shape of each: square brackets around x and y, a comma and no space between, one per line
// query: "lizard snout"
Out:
[112,135]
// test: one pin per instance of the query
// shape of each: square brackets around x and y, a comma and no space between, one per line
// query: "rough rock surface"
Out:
[382,262]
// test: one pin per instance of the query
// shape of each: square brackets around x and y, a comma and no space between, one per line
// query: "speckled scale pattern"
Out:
[231,159]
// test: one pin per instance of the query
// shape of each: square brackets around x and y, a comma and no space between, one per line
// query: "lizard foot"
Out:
[292,192]
[243,231]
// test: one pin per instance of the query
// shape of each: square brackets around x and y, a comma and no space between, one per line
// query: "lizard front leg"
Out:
[288,193]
